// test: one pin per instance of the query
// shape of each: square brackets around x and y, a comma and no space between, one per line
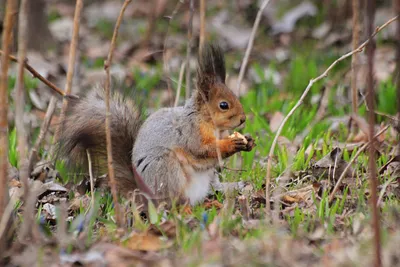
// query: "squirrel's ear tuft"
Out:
[211,66]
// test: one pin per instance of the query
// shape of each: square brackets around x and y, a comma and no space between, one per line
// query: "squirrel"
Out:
[175,151]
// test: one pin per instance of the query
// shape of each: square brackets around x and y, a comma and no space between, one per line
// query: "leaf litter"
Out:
[221,231]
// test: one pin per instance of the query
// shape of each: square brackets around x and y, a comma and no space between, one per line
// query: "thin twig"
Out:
[43,130]
[383,190]
[178,91]
[37,75]
[371,121]
[202,24]
[91,176]
[397,73]
[151,22]
[300,101]
[71,67]
[354,58]
[341,177]
[250,46]
[4,219]
[20,97]
[167,70]
[189,50]
[11,11]
[107,65]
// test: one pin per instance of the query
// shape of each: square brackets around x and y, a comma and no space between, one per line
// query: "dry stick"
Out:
[341,177]
[397,74]
[4,219]
[151,21]
[178,92]
[189,50]
[250,46]
[20,97]
[202,23]
[37,75]
[91,176]
[166,66]
[11,11]
[310,84]
[71,67]
[383,190]
[107,65]
[354,58]
[43,130]
[371,120]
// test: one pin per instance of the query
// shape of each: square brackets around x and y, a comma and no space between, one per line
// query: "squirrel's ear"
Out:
[211,68]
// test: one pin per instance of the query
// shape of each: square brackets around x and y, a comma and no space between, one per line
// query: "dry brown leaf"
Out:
[78,202]
[146,242]
[214,203]
[291,199]
[14,183]
[167,228]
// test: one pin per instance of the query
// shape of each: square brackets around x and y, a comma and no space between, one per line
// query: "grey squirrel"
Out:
[175,150]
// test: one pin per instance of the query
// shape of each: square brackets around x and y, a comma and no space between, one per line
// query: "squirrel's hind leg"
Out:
[162,173]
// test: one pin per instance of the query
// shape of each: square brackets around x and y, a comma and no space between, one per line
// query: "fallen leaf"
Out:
[146,242]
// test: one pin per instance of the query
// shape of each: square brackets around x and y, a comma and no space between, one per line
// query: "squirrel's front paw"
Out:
[250,142]
[238,144]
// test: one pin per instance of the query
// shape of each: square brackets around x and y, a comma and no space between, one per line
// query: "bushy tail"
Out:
[84,129]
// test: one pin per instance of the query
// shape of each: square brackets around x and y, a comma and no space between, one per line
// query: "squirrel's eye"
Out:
[223,105]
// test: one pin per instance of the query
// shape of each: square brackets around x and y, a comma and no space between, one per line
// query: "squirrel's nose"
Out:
[242,119]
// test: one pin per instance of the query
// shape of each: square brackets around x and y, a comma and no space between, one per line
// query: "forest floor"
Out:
[309,224]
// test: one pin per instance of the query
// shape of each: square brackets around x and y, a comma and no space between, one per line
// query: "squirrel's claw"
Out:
[250,142]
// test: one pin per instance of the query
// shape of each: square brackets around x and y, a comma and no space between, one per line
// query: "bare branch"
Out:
[91,176]
[20,97]
[202,23]
[71,66]
[107,65]
[189,50]
[166,68]
[11,11]
[300,101]
[37,75]
[371,120]
[178,91]
[341,177]
[43,130]
[354,58]
[250,46]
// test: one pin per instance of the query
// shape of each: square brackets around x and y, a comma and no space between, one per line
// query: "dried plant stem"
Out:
[189,50]
[341,177]
[11,11]
[371,120]
[5,218]
[91,176]
[71,66]
[107,65]
[250,46]
[354,58]
[178,91]
[310,84]
[43,130]
[202,23]
[166,68]
[37,75]
[397,73]
[20,97]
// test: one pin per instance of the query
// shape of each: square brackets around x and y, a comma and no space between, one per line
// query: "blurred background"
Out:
[295,41]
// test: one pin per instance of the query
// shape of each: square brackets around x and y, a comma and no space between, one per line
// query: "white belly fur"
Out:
[198,185]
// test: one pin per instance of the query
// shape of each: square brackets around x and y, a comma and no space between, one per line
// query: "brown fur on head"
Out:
[218,104]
